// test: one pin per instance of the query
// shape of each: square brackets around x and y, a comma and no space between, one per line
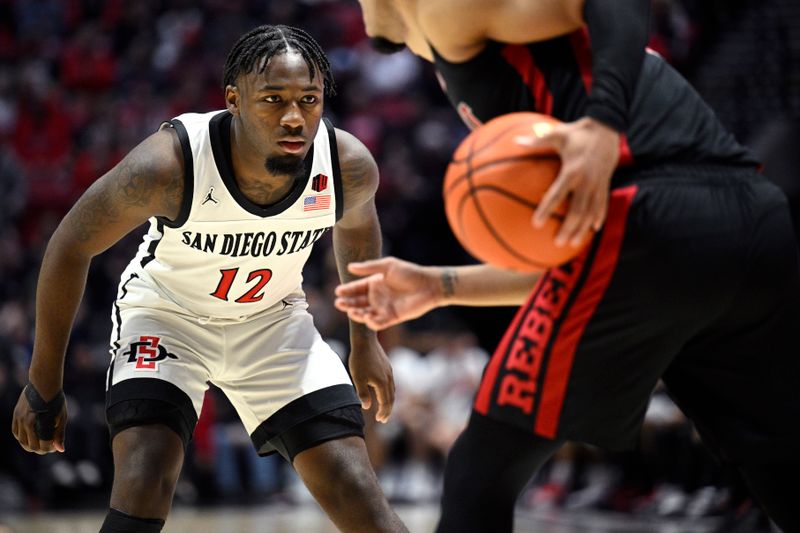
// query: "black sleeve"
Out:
[618,32]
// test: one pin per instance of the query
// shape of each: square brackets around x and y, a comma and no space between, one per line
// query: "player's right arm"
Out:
[396,291]
[147,182]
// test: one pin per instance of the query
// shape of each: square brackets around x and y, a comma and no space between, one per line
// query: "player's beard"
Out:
[385,46]
[285,165]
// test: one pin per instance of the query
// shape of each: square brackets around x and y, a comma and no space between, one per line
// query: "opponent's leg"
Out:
[775,488]
[487,468]
[340,477]
[738,379]
[147,461]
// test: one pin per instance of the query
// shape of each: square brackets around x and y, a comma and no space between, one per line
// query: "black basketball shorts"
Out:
[693,279]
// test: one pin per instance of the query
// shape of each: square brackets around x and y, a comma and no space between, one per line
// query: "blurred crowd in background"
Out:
[83,81]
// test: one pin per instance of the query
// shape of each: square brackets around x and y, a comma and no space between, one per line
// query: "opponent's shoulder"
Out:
[458,29]
[357,166]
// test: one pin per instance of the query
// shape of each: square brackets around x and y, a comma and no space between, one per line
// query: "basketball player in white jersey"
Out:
[235,200]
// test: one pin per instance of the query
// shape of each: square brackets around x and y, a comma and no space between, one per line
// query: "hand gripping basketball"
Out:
[492,188]
[46,412]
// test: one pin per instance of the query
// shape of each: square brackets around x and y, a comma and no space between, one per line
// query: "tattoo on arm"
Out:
[363,246]
[356,249]
[128,188]
[133,185]
[449,279]
[354,170]
[93,214]
[358,169]
[136,183]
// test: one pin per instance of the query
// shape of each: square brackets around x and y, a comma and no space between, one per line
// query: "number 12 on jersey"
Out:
[254,294]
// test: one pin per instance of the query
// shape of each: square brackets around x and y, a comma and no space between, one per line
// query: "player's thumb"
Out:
[58,437]
[362,389]
[372,266]
[543,137]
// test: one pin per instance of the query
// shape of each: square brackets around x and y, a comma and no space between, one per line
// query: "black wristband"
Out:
[46,412]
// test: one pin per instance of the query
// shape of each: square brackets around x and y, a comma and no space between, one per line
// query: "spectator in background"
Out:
[436,374]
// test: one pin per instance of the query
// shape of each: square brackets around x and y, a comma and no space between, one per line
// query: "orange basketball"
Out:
[491,189]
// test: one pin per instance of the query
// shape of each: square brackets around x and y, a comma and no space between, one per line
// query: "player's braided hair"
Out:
[254,49]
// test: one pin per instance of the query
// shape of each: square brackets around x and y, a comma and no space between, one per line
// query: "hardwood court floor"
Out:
[309,519]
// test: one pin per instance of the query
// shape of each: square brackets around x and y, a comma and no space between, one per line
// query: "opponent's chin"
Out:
[385,46]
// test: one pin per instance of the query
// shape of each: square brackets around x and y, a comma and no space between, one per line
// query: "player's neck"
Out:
[252,178]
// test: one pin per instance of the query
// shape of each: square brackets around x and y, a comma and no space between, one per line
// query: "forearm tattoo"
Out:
[92,213]
[449,280]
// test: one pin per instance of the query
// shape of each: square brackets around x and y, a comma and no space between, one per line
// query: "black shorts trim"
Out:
[299,410]
[335,424]
[144,401]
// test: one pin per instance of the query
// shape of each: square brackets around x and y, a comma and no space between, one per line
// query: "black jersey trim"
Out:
[300,410]
[188,176]
[337,169]
[151,249]
[220,134]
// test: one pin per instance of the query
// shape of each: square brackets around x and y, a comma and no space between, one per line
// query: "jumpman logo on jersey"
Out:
[209,197]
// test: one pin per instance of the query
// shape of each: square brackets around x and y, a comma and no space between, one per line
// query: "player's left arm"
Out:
[589,147]
[357,237]
[618,33]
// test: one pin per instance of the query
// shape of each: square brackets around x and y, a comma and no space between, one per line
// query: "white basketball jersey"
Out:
[225,257]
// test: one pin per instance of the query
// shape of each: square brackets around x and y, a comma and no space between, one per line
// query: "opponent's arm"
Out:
[357,237]
[618,31]
[483,286]
[396,291]
[590,147]
[147,182]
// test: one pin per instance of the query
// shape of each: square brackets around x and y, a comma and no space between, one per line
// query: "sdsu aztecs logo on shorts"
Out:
[147,353]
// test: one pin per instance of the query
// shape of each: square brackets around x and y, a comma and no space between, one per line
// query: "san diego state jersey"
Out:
[225,257]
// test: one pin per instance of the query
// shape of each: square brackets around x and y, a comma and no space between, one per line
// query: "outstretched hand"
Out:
[589,153]
[392,292]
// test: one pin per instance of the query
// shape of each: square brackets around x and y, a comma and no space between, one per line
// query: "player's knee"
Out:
[147,465]
[351,481]
[345,477]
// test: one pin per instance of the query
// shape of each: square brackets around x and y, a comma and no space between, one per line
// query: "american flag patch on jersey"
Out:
[315,203]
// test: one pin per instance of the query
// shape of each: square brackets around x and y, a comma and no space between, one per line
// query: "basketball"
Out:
[492,188]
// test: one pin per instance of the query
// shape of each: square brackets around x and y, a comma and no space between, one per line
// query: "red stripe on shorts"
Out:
[484,396]
[571,330]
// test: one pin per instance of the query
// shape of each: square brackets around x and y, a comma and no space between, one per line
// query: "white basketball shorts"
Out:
[274,367]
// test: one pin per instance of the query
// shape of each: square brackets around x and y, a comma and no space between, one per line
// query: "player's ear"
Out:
[232,99]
